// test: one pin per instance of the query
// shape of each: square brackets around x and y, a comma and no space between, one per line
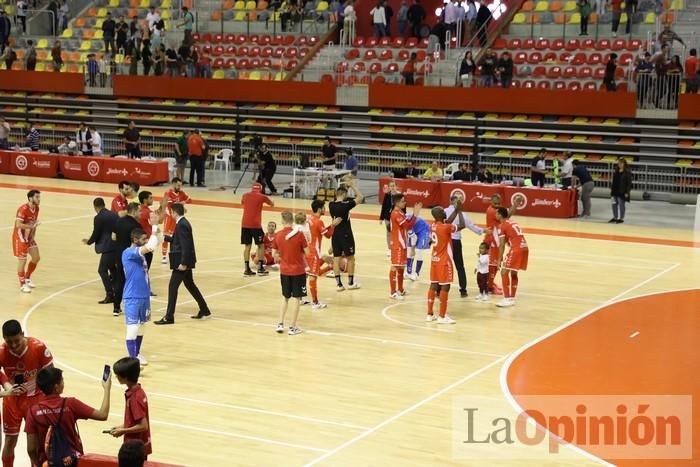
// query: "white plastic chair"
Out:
[450,170]
[223,157]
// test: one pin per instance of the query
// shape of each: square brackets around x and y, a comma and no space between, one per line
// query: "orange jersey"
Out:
[26,215]
[172,197]
[491,220]
[513,234]
[441,240]
[317,230]
[400,226]
[35,357]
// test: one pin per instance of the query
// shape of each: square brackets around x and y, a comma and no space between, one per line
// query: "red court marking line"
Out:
[597,356]
[370,217]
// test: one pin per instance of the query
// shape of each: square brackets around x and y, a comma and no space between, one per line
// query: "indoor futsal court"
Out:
[602,309]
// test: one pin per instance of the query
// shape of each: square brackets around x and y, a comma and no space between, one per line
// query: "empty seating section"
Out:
[565,13]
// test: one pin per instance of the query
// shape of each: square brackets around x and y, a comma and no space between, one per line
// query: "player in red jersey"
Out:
[441,272]
[491,239]
[121,201]
[267,245]
[315,258]
[172,196]
[400,225]
[516,260]
[24,239]
[21,358]
[251,227]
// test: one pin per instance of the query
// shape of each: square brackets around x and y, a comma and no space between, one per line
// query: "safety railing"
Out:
[657,91]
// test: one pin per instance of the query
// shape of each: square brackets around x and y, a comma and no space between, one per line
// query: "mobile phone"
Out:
[19,380]
[107,432]
[105,374]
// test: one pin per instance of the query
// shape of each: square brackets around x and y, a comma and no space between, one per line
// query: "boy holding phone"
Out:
[136,421]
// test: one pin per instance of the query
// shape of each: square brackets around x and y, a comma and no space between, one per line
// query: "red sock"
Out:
[431,300]
[443,303]
[314,291]
[399,279]
[21,278]
[513,284]
[164,249]
[325,269]
[492,277]
[31,267]
[8,461]
[392,280]
[506,285]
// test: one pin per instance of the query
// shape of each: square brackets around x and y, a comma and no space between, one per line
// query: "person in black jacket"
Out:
[620,191]
[483,18]
[463,174]
[109,28]
[416,15]
[182,261]
[505,69]
[385,214]
[266,168]
[103,225]
[609,77]
[122,240]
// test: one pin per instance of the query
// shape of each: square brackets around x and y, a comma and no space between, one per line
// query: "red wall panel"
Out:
[69,83]
[689,107]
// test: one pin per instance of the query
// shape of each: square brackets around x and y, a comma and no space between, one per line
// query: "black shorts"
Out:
[343,245]
[250,235]
[293,286]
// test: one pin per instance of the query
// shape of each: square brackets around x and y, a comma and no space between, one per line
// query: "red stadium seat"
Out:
[544,85]
[619,73]
[603,44]
[519,58]
[499,44]
[327,79]
[411,42]
[635,45]
[398,42]
[231,63]
[278,39]
[574,86]
[364,80]
[231,50]
[265,39]
[303,52]
[420,55]
[217,38]
[241,39]
[569,72]
[565,57]
[218,50]
[290,65]
[341,67]
[351,54]
[594,59]
[542,44]
[230,38]
[279,52]
[529,44]
[358,67]
[391,68]
[371,42]
[206,38]
[588,44]
[385,41]
[585,72]
[559,85]
[386,55]
[423,44]
[549,57]
[626,59]
[291,52]
[572,45]
[554,72]
[599,72]
[243,64]
[254,38]
[515,44]
[254,51]
[529,84]
[196,37]
[375,67]
[539,72]
[266,63]
[557,44]
[534,58]
[242,51]
[302,40]
[619,44]
[515,84]
[379,80]
[590,86]
[218,63]
[267,52]
[254,63]
[403,55]
[579,59]
[370,54]
[288,40]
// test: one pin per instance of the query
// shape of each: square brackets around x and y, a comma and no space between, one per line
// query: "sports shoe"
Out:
[479,298]
[274,267]
[280,328]
[25,288]
[293,330]
[413,276]
[463,293]
[340,288]
[142,360]
[116,312]
[446,320]
[29,283]
[248,273]
[430,318]
[262,272]
[397,296]
[484,297]
[164,260]
[354,285]
[330,274]
[388,253]
[304,301]
[505,303]
[403,293]
[318,306]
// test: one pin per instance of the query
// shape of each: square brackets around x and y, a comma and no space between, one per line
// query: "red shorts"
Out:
[168,225]
[314,264]
[494,253]
[398,257]
[441,273]
[20,248]
[516,260]
[14,410]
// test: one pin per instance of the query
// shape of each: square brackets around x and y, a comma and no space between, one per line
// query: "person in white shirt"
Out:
[451,16]
[22,15]
[83,138]
[379,19]
[96,142]
[567,170]
[457,242]
[482,272]
[152,18]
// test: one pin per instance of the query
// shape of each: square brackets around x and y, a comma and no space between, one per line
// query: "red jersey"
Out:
[26,214]
[119,203]
[317,231]
[145,220]
[267,242]
[400,225]
[35,357]
[292,261]
[45,413]
[171,197]
[441,239]
[491,220]
[135,410]
[691,67]
[252,209]
[513,235]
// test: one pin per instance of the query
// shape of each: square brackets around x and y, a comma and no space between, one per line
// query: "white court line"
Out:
[634,334]
[511,358]
[404,412]
[385,314]
[53,221]
[366,338]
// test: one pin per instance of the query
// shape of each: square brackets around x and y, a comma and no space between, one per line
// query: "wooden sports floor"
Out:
[369,382]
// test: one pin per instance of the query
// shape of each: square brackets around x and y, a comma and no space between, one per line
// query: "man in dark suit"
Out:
[122,240]
[102,227]
[182,261]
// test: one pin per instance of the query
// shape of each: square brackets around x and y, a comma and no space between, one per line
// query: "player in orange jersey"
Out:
[441,271]
[24,239]
[172,196]
[516,260]
[21,358]
[267,245]
[121,201]
[491,239]
[315,258]
[400,225]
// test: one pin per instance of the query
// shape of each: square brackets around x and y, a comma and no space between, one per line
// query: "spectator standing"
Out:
[83,138]
[642,75]
[351,163]
[134,57]
[567,170]
[609,76]
[630,10]
[488,69]
[483,18]
[195,151]
[152,18]
[450,13]
[136,426]
[183,55]
[329,152]
[378,14]
[616,7]
[159,61]
[8,57]
[132,141]
[389,13]
[409,70]
[65,411]
[63,15]
[505,69]
[457,257]
[146,57]
[402,18]
[30,56]
[109,27]
[538,169]
[349,17]
[416,15]
[667,37]
[96,143]
[22,15]
[56,56]
[584,9]
[181,156]
[581,177]
[102,69]
[187,21]
[433,173]
[93,69]
[122,32]
[620,191]
[156,36]
[470,20]
[601,7]
[32,137]
[5,29]
[674,72]
[53,17]
[691,72]
[204,66]
[466,70]
[134,35]
[5,131]
[266,168]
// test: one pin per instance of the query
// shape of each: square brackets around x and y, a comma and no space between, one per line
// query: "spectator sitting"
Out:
[44,414]
[351,163]
[483,175]
[132,454]
[32,137]
[410,171]
[68,147]
[433,173]
[462,173]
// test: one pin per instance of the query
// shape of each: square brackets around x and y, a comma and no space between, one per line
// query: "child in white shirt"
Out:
[482,272]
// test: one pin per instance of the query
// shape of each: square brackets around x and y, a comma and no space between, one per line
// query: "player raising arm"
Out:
[516,260]
[24,239]
[491,238]
[343,240]
[400,224]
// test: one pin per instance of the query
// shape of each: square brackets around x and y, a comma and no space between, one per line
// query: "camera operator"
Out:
[266,168]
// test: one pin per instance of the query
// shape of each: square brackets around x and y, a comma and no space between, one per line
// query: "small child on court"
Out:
[136,421]
[482,272]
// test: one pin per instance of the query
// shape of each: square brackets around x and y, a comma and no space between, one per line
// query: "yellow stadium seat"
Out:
[85,45]
[166,4]
[570,5]
[114,3]
[102,12]
[219,74]
[576,18]
[322,6]
[165,15]
[677,5]
[280,75]
[40,67]
[519,18]
[145,4]
[542,5]
[250,5]
[10,10]
[67,33]
[240,16]
[98,23]
[254,75]
[239,5]
[42,44]
[650,18]
[99,34]
[623,18]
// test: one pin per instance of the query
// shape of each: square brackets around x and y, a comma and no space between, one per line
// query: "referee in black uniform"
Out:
[343,241]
